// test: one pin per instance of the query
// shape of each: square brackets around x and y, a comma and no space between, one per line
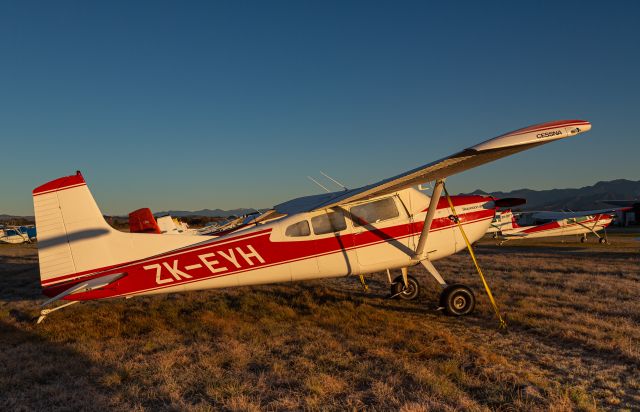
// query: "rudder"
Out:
[65,214]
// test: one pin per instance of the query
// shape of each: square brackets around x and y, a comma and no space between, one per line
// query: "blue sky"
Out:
[190,105]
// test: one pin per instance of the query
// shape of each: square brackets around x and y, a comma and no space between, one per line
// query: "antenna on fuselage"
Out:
[318,183]
[334,180]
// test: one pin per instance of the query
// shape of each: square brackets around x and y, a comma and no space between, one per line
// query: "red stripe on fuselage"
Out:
[604,220]
[273,253]
[101,271]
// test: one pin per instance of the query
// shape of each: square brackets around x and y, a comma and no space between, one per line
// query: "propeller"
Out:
[509,202]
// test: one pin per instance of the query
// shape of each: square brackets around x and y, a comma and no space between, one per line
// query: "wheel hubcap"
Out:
[459,302]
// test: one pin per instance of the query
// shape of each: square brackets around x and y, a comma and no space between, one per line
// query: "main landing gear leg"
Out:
[455,300]
[601,239]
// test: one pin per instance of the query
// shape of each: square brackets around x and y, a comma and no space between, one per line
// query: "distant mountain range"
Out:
[584,198]
[206,212]
[7,218]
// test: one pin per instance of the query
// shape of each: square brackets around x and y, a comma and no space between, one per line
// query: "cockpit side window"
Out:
[328,223]
[298,229]
[374,212]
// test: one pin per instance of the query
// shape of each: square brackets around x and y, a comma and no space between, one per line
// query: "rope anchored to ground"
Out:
[456,219]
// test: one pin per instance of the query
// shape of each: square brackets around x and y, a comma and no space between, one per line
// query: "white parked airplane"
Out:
[506,227]
[143,221]
[17,234]
[385,225]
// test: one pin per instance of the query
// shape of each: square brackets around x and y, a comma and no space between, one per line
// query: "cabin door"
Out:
[380,234]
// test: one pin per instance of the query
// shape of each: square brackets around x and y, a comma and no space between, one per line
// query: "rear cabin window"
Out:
[374,212]
[328,223]
[298,229]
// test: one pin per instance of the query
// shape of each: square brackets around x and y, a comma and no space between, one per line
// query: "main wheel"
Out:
[602,240]
[457,300]
[409,292]
[583,239]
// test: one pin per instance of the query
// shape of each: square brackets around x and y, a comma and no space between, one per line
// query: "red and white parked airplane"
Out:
[507,228]
[385,225]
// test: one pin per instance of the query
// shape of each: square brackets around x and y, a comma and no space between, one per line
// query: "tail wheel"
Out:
[457,300]
[409,292]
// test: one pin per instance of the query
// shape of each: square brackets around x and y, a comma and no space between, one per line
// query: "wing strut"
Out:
[433,206]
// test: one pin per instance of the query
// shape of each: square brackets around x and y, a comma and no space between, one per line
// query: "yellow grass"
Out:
[573,341]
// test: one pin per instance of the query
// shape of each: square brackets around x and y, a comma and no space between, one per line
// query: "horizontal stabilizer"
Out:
[91,284]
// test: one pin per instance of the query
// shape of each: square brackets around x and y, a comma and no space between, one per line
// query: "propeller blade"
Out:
[510,202]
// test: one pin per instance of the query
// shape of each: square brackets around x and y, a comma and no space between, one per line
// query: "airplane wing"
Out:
[485,152]
[623,203]
[570,215]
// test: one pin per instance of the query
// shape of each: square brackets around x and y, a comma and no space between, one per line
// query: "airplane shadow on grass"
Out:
[19,281]
[38,374]
[42,374]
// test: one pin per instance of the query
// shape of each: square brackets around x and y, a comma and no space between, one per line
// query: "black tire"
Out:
[583,239]
[602,240]
[411,292]
[457,300]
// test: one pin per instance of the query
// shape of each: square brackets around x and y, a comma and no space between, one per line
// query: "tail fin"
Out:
[65,214]
[514,223]
[510,220]
[74,238]
[142,221]
[507,221]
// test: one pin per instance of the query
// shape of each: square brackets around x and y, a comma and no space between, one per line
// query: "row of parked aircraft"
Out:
[504,226]
[388,225]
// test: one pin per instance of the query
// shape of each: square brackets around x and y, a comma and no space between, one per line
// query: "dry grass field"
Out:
[573,341]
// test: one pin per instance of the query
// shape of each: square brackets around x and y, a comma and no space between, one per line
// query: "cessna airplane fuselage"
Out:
[300,247]
[506,227]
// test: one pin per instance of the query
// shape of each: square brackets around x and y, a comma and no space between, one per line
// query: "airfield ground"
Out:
[573,341]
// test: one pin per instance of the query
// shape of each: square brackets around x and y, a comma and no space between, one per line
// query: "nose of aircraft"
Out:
[510,202]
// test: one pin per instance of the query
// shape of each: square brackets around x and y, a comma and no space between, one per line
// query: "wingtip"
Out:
[539,133]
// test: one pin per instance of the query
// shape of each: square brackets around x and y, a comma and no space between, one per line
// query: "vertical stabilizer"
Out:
[75,240]
[142,221]
[66,215]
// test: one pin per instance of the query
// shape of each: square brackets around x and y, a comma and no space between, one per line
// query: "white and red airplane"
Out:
[143,221]
[385,225]
[505,226]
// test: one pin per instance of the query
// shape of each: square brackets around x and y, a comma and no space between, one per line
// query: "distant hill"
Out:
[206,212]
[584,198]
[16,220]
